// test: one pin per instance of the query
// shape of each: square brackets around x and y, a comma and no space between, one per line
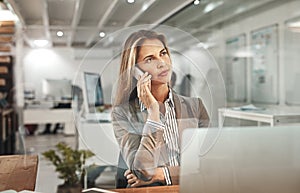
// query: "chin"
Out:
[160,81]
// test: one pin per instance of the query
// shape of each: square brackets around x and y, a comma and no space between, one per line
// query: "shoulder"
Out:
[191,101]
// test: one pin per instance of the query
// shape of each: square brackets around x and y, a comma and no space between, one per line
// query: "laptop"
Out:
[241,160]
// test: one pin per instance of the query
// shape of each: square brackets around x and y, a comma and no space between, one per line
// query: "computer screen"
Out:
[57,89]
[93,91]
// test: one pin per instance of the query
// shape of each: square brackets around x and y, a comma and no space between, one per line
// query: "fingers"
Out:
[143,80]
[133,180]
[144,87]
[127,172]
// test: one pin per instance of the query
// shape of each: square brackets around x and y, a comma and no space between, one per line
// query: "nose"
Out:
[161,63]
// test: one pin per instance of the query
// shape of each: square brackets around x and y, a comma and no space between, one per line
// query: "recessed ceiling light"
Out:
[196,2]
[102,34]
[41,43]
[212,6]
[130,1]
[59,33]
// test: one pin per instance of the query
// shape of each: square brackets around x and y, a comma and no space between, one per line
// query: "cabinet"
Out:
[8,116]
[6,81]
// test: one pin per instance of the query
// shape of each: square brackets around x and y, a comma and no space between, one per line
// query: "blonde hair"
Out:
[126,82]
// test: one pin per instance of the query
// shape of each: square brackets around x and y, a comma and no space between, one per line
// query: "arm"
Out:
[139,142]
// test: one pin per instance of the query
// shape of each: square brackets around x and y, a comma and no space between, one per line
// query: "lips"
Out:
[164,73]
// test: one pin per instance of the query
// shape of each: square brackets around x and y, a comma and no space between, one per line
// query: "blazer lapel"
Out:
[185,119]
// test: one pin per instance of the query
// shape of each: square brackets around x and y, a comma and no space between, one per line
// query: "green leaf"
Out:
[68,162]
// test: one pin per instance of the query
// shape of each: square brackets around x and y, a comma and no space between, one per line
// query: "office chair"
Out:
[121,181]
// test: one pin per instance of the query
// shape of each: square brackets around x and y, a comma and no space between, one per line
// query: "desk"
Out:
[43,116]
[272,115]
[18,172]
[154,189]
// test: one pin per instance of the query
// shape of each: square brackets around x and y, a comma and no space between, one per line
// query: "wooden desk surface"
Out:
[18,172]
[154,189]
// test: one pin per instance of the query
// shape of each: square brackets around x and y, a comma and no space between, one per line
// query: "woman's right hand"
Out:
[145,95]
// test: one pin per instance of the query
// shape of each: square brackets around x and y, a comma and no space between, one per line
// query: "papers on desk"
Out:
[9,191]
[250,107]
[97,190]
[90,190]
[13,191]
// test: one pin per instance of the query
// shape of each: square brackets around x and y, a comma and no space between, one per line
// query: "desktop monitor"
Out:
[93,91]
[242,159]
[57,89]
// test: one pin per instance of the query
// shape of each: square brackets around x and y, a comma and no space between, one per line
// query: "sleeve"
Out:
[139,147]
[171,174]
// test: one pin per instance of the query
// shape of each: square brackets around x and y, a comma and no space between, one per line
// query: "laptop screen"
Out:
[241,160]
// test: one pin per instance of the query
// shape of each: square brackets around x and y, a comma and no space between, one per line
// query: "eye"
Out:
[163,53]
[148,60]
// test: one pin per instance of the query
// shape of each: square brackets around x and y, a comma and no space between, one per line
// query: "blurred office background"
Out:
[46,46]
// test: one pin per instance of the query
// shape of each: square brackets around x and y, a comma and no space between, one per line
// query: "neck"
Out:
[160,92]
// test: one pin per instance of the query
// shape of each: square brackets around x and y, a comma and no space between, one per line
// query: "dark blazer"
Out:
[144,151]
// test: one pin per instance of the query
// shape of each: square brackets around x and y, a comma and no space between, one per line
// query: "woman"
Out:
[148,117]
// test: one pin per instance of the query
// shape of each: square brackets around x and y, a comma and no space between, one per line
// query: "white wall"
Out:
[39,64]
[66,63]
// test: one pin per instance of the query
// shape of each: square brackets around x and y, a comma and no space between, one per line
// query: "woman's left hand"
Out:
[133,181]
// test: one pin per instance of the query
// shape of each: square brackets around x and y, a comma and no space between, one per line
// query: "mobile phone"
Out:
[137,72]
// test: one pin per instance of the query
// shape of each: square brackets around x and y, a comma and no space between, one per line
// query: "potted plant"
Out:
[69,164]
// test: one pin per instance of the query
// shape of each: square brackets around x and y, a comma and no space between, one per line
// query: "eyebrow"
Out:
[147,56]
[164,49]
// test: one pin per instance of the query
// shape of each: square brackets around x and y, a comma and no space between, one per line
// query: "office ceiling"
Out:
[82,20]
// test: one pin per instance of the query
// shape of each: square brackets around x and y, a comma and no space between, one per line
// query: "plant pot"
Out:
[63,188]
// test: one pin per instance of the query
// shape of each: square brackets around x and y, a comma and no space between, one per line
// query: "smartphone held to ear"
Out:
[137,72]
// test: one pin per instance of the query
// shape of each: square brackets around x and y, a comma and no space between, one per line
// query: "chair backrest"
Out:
[20,172]
[121,181]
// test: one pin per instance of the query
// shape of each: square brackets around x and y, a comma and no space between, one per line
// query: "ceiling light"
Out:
[102,34]
[59,33]
[196,2]
[41,43]
[212,6]
[6,14]
[130,1]
[294,24]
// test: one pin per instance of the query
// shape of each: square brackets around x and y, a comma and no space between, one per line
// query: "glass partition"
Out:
[292,58]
